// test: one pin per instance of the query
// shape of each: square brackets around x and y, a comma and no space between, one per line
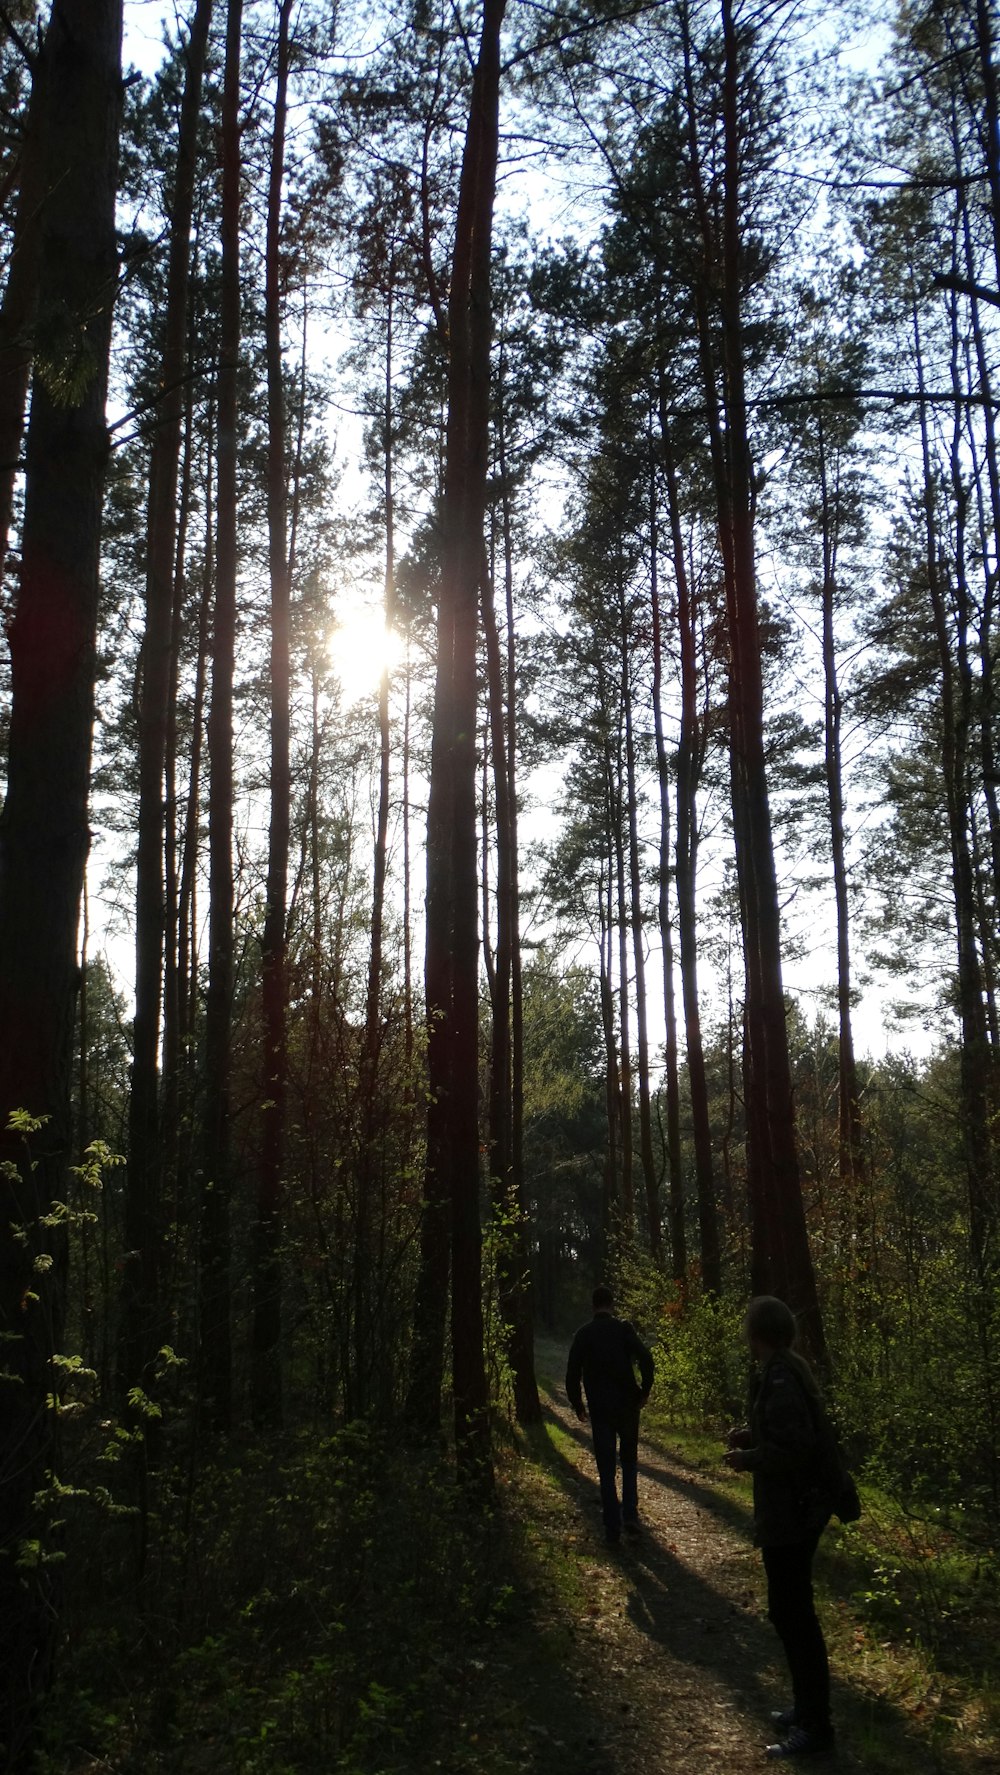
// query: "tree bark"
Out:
[20,297]
[651,1183]
[678,1231]
[690,759]
[956,699]
[44,825]
[781,1259]
[849,1129]
[215,1352]
[265,1381]
[452,949]
[141,1326]
[514,1263]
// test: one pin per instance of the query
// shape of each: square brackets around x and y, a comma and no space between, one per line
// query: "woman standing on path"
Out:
[782,1449]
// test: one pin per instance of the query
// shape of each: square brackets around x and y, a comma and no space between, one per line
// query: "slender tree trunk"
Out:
[678,1232]
[215,1327]
[651,1182]
[141,1309]
[514,1276]
[690,759]
[612,1191]
[408,1036]
[530,1401]
[265,1381]
[369,1156]
[616,790]
[44,824]
[955,709]
[187,919]
[849,1129]
[174,974]
[373,998]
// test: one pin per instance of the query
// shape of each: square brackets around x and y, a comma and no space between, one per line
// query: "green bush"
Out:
[304,1610]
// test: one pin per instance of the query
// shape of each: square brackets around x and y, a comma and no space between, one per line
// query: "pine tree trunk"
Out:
[215,1352]
[849,1130]
[528,1401]
[690,758]
[141,1310]
[781,1259]
[20,297]
[452,946]
[514,1270]
[651,1182]
[956,703]
[44,825]
[174,973]
[611,1193]
[617,792]
[678,1231]
[265,1380]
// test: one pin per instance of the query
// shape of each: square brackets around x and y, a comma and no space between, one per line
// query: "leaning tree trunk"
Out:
[44,826]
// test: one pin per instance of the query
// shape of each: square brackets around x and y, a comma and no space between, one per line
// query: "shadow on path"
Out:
[694,1600]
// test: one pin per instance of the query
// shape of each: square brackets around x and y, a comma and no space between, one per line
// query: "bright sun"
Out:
[360,650]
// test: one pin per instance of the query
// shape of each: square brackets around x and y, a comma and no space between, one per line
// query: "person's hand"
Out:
[736,1459]
[738,1439]
[643,1399]
[581,1412]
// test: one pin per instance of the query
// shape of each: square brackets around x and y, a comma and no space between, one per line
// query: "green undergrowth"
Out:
[340,1607]
[331,1607]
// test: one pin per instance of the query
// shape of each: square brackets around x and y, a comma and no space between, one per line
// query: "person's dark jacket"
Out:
[790,1503]
[604,1355]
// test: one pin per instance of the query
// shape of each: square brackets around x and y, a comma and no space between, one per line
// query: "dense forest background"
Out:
[500,511]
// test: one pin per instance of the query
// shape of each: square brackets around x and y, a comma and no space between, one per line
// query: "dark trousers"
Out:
[616,1435]
[792,1613]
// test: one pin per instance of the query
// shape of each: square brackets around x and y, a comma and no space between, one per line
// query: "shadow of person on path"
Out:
[707,1629]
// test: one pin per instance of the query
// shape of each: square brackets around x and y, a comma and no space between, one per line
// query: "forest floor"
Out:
[659,1657]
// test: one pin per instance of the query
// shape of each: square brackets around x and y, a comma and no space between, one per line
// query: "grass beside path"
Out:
[912,1622]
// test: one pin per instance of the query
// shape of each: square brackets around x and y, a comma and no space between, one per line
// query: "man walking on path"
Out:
[603,1356]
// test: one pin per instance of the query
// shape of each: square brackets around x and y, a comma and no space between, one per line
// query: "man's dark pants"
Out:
[792,1612]
[616,1430]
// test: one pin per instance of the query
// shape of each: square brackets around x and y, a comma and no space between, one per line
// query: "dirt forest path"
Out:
[676,1667]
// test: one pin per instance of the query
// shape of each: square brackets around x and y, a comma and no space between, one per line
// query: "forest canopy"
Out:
[500,511]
